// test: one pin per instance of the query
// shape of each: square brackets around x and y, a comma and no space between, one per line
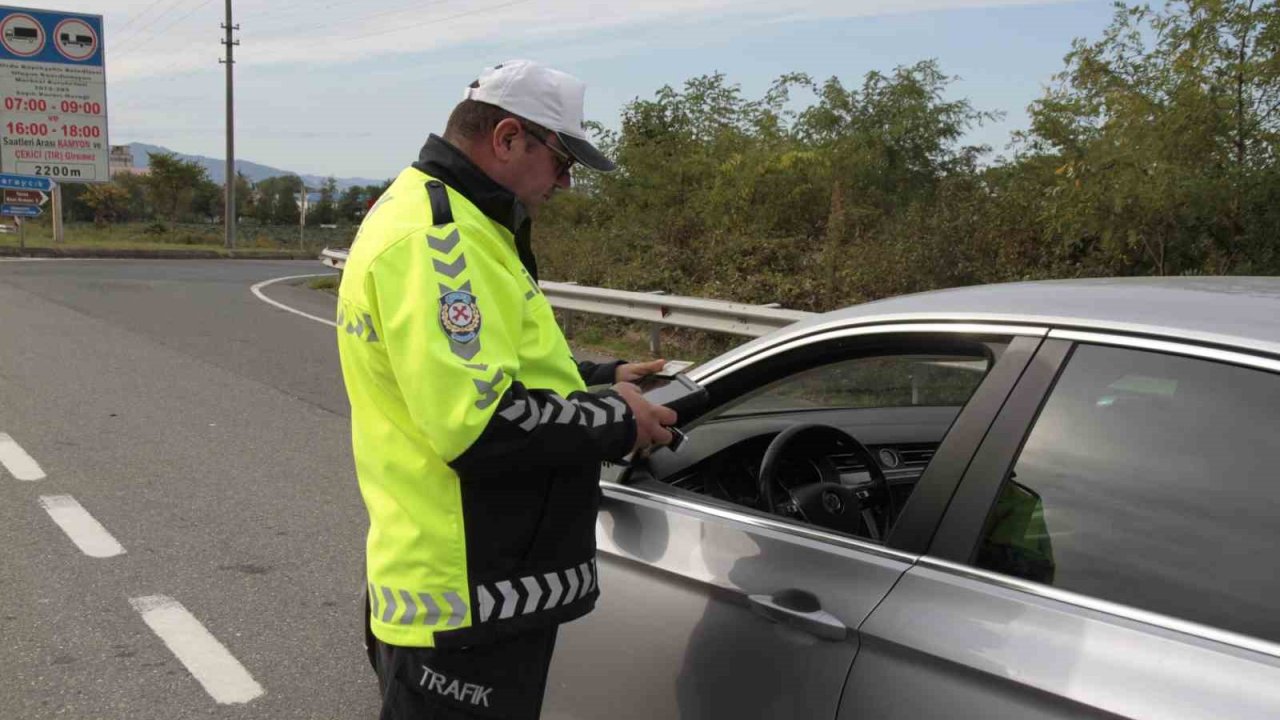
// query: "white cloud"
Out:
[156,38]
[318,89]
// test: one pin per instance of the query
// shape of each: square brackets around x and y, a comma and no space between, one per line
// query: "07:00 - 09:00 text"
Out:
[22,104]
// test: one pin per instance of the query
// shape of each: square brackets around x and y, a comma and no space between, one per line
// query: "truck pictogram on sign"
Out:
[21,35]
[80,40]
[75,39]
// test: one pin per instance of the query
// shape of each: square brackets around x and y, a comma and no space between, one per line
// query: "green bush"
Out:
[1154,152]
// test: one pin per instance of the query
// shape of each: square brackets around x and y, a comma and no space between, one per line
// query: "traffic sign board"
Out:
[54,86]
[20,210]
[25,197]
[25,182]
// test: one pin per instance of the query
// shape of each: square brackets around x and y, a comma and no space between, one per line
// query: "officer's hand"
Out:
[634,372]
[652,420]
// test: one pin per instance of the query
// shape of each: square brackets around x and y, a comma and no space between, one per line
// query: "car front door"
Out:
[1110,550]
[712,611]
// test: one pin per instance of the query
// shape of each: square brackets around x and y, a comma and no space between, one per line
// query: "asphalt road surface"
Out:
[182,532]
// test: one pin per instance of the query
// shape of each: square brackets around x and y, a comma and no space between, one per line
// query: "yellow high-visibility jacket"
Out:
[476,445]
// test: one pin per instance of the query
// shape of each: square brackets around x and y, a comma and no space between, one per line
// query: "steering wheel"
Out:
[827,504]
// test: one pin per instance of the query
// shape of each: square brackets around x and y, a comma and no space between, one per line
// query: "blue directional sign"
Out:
[20,210]
[25,182]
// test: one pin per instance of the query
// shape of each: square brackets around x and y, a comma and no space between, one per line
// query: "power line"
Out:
[279,10]
[158,33]
[363,18]
[439,20]
[322,26]
[138,31]
[139,15]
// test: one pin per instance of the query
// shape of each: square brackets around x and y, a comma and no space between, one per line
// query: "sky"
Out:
[351,88]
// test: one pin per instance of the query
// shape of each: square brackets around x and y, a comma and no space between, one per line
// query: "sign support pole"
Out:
[57,214]
[22,235]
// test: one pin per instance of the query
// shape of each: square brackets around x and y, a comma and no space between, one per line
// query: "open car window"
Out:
[869,382]
[895,396]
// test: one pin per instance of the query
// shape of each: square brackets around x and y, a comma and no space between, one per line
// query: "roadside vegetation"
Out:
[188,237]
[176,206]
[1153,152]
[328,283]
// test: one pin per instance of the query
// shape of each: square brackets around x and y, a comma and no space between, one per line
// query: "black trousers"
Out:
[504,679]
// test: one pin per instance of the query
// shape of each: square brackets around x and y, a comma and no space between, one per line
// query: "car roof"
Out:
[1235,312]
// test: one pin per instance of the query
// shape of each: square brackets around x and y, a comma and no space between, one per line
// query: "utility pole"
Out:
[230,192]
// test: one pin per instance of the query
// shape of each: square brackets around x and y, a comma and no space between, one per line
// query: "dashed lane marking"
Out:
[222,676]
[257,290]
[86,532]
[16,460]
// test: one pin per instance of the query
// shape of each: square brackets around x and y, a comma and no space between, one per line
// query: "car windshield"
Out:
[872,382]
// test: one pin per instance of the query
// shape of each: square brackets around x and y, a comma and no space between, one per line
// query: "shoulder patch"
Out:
[460,316]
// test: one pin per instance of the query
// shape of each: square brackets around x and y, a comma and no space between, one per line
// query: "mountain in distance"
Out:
[255,172]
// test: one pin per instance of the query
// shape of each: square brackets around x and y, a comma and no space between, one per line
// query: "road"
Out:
[182,532]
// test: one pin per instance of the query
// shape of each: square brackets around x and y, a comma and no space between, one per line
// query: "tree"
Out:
[135,187]
[108,201]
[244,195]
[1167,133]
[73,202]
[172,184]
[208,200]
[275,201]
[325,212]
[1155,151]
[351,204]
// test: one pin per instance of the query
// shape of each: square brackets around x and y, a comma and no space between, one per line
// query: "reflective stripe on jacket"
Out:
[476,446]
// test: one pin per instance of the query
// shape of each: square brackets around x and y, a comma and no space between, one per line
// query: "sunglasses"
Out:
[565,161]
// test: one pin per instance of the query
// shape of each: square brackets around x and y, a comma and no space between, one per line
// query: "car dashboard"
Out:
[721,458]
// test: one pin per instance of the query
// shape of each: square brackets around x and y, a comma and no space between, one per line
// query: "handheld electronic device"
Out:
[669,371]
[679,393]
[673,367]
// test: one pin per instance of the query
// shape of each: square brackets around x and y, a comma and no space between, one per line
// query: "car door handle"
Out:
[802,611]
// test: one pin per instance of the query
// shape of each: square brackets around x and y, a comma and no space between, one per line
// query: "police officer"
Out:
[476,444]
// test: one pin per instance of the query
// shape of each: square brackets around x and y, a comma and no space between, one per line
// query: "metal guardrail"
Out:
[671,310]
[656,308]
[333,258]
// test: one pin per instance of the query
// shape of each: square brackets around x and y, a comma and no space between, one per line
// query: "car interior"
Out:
[834,435]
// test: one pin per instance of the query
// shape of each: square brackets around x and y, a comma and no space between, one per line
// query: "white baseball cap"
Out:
[550,98]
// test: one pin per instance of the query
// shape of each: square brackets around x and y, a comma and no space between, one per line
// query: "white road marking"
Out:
[86,532]
[222,676]
[257,290]
[16,460]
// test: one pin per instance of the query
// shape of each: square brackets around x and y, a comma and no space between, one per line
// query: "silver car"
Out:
[1036,500]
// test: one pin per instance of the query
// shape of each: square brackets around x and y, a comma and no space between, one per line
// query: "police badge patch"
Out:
[459,316]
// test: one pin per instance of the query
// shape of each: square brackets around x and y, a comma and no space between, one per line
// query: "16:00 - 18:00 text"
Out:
[44,130]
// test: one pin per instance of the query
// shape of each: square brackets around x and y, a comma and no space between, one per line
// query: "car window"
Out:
[871,382]
[898,398]
[1154,481]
